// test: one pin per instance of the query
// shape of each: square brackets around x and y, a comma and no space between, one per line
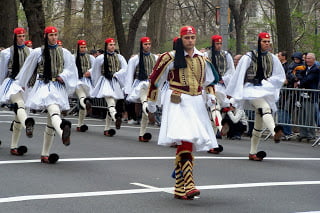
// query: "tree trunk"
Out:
[284,30]
[108,24]
[156,16]
[8,21]
[67,40]
[87,7]
[36,21]
[238,12]
[126,47]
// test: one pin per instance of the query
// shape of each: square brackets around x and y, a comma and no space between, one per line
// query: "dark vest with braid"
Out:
[85,63]
[57,64]
[267,65]
[23,53]
[221,61]
[149,62]
[113,62]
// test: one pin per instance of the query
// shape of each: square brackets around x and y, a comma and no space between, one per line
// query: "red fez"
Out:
[59,42]
[109,40]
[187,30]
[145,39]
[175,39]
[28,42]
[216,38]
[19,30]
[82,42]
[264,35]
[50,29]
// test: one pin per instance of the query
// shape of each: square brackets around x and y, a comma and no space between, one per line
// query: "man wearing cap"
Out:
[84,62]
[223,63]
[108,73]
[256,85]
[11,61]
[139,68]
[185,120]
[28,43]
[60,44]
[52,72]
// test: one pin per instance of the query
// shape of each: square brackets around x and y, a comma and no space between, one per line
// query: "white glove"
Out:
[211,100]
[151,107]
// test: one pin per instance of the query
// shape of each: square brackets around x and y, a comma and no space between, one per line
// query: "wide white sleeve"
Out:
[132,64]
[28,67]
[235,86]
[278,74]
[229,71]
[209,77]
[4,60]
[121,74]
[236,116]
[91,58]
[69,73]
[96,69]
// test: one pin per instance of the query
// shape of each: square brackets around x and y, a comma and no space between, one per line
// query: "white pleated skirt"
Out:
[86,85]
[137,86]
[9,87]
[107,88]
[43,95]
[186,121]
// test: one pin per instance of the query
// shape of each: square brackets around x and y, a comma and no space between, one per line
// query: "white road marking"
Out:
[153,158]
[149,190]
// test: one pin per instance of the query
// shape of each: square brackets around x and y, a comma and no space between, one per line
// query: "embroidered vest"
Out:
[113,62]
[221,60]
[188,80]
[149,62]
[23,53]
[267,65]
[85,63]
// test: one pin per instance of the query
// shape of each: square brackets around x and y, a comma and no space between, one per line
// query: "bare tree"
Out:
[284,30]
[8,21]
[126,45]
[156,23]
[67,24]
[238,12]
[108,26]
[36,22]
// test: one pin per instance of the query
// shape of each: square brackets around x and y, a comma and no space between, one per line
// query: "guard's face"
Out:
[21,38]
[218,46]
[265,44]
[52,38]
[111,47]
[82,48]
[189,41]
[146,47]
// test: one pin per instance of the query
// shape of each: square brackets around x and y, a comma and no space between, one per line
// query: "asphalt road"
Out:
[119,174]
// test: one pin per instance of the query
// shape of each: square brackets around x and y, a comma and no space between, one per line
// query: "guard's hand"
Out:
[87,74]
[58,78]
[211,100]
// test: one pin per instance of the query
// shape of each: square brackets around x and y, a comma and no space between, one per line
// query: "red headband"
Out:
[187,30]
[109,40]
[28,42]
[264,35]
[145,40]
[82,42]
[216,38]
[50,29]
[19,30]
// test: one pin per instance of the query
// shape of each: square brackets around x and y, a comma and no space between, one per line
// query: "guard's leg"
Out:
[61,126]
[48,137]
[21,115]
[185,158]
[143,136]
[111,107]
[16,133]
[107,130]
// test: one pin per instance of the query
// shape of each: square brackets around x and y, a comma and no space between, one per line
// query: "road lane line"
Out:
[149,190]
[4,162]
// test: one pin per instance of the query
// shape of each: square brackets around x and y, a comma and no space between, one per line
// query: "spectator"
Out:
[309,80]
